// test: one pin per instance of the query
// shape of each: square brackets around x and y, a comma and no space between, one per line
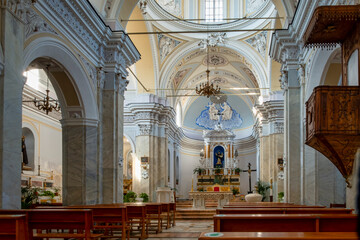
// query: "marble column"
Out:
[80,176]
[112,137]
[11,84]
[292,133]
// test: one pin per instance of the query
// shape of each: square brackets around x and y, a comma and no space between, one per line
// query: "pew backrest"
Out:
[13,227]
[285,222]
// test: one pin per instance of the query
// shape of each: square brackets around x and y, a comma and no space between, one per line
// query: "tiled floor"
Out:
[184,229]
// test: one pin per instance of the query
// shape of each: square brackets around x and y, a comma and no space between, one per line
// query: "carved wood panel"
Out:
[333,124]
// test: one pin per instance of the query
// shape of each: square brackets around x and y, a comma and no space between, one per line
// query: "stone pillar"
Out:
[80,176]
[152,121]
[112,137]
[11,84]
[292,141]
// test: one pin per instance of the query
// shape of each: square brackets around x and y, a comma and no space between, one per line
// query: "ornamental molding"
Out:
[18,8]
[145,129]
[35,24]
[77,21]
[89,68]
[259,42]
[121,83]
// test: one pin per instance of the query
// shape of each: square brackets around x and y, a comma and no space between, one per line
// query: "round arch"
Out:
[48,47]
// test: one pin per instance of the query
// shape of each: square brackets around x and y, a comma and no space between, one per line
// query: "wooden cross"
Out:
[249,172]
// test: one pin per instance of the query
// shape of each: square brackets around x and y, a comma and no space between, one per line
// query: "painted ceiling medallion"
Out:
[215,60]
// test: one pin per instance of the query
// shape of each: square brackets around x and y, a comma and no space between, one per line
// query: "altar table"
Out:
[200,197]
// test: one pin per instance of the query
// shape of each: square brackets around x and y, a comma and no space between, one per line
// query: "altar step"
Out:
[186,204]
[190,214]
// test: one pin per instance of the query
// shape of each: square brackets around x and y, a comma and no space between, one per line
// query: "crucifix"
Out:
[249,172]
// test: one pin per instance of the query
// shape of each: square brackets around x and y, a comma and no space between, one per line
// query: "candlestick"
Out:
[192,184]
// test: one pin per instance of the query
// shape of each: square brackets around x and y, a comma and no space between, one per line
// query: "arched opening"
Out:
[128,165]
[28,148]
[177,171]
[70,133]
[44,153]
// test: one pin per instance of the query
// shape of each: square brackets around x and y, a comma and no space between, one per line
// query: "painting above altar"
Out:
[215,114]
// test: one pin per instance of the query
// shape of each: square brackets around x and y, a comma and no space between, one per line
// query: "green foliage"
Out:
[199,170]
[218,180]
[144,196]
[281,196]
[262,188]
[237,170]
[235,191]
[130,197]
[201,189]
[29,196]
[218,170]
[47,193]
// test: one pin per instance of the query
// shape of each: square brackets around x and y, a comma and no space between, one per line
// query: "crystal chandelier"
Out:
[207,89]
[46,104]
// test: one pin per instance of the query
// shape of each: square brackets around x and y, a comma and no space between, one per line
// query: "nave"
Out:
[236,220]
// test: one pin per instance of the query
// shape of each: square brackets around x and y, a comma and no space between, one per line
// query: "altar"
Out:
[200,197]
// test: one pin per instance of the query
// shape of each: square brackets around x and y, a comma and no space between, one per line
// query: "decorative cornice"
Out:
[18,8]
[78,22]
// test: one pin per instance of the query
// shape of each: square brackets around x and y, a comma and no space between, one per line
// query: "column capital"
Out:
[100,77]
[144,129]
[121,83]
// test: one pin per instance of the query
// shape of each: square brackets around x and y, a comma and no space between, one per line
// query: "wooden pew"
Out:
[285,222]
[172,213]
[270,206]
[283,236]
[137,218]
[107,218]
[73,223]
[283,211]
[13,227]
[165,208]
[153,212]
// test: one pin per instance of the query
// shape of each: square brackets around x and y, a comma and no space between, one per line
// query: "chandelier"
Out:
[207,89]
[46,104]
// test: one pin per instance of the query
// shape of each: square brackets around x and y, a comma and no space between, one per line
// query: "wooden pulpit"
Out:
[333,112]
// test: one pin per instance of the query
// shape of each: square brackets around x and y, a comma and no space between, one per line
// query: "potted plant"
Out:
[237,171]
[235,191]
[217,170]
[199,171]
[144,196]
[130,197]
[29,196]
[262,188]
[281,196]
[200,189]
[56,191]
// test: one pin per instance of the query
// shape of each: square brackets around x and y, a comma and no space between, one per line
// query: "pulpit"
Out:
[332,112]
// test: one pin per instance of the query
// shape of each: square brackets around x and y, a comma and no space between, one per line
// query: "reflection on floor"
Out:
[184,229]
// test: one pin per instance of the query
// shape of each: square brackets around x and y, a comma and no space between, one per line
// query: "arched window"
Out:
[214,10]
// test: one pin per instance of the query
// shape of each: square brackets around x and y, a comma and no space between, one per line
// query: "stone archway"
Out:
[79,118]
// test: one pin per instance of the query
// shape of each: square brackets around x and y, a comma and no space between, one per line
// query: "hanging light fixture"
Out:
[46,104]
[207,89]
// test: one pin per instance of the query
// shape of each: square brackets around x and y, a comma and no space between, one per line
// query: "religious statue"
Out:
[23,150]
[213,112]
[227,112]
[219,156]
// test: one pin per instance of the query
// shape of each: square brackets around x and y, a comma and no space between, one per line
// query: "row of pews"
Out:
[87,222]
[274,221]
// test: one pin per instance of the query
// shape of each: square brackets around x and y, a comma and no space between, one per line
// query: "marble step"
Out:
[195,214]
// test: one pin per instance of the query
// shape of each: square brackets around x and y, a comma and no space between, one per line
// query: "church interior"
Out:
[179,119]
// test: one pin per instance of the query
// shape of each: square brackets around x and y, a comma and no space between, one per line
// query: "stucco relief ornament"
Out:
[284,80]
[144,174]
[142,6]
[213,40]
